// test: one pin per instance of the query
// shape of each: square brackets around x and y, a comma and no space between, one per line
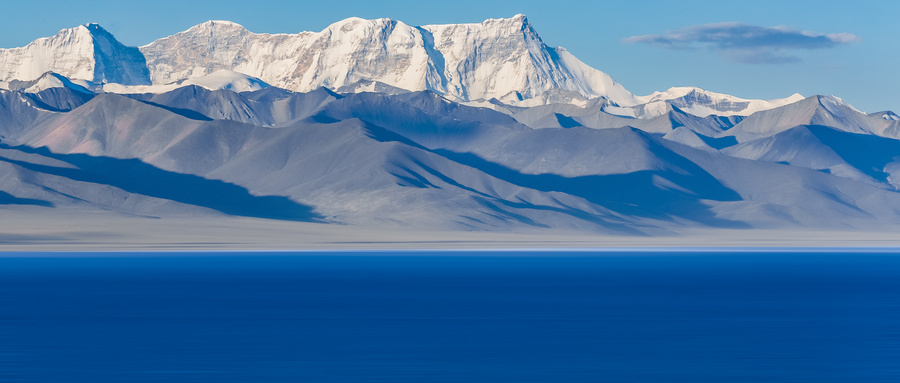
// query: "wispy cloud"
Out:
[746,43]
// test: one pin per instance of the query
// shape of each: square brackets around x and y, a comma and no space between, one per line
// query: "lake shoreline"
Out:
[91,230]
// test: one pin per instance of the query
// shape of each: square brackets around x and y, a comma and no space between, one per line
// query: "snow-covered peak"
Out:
[86,52]
[219,26]
[70,51]
[228,80]
[519,21]
[94,29]
[356,32]
[219,80]
[52,80]
[351,23]
[890,116]
[208,31]
[703,103]
[223,23]
[834,104]
[671,93]
[480,61]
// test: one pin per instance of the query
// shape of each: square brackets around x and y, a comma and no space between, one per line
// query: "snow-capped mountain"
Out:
[499,58]
[48,80]
[86,52]
[218,80]
[702,103]
[503,60]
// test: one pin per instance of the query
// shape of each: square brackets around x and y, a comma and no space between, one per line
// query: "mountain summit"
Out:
[498,58]
[501,60]
[86,52]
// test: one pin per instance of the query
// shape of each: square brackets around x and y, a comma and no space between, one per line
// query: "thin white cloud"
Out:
[746,43]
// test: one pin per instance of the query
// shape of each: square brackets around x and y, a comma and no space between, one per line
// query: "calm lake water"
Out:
[451,317]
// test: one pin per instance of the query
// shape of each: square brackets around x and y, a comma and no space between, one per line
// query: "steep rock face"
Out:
[499,58]
[345,53]
[86,52]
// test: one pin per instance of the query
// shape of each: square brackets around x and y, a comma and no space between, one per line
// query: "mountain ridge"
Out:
[498,59]
[418,160]
[357,148]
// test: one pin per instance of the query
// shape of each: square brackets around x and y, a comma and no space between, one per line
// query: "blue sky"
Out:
[758,49]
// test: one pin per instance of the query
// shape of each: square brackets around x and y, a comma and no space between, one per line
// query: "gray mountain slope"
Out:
[384,145]
[30,177]
[416,159]
[817,110]
[359,173]
[59,99]
[594,115]
[780,195]
[861,157]
[267,107]
[177,143]
[20,111]
[209,105]
[365,174]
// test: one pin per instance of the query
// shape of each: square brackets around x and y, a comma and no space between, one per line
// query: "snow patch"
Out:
[702,103]
[228,80]
[219,80]
[834,105]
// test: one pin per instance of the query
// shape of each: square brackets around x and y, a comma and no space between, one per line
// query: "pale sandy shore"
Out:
[72,230]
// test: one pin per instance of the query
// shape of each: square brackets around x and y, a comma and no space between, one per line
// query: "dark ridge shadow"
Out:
[321,118]
[135,176]
[380,134]
[506,214]
[678,117]
[728,122]
[493,204]
[611,223]
[268,94]
[641,194]
[867,153]
[718,143]
[186,113]
[9,199]
[59,99]
[566,121]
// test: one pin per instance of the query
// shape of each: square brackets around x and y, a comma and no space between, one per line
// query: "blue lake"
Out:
[451,317]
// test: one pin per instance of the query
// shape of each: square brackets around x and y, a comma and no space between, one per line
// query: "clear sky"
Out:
[751,49]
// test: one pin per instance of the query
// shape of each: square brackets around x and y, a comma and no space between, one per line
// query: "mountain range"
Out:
[463,126]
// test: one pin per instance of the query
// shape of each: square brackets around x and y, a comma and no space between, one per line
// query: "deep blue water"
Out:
[451,317]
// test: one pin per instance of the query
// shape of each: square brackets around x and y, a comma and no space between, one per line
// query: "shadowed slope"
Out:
[9,199]
[138,177]
[658,193]
[861,157]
